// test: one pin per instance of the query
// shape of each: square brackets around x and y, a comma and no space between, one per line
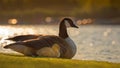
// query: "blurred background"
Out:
[99,24]
[38,11]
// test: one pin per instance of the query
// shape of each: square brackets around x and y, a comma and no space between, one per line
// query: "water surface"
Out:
[99,43]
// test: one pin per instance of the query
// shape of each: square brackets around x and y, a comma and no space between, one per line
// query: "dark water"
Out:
[101,43]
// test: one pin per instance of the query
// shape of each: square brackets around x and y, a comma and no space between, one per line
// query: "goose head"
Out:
[71,22]
[63,28]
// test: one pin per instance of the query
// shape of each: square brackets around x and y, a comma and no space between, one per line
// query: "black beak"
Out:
[75,26]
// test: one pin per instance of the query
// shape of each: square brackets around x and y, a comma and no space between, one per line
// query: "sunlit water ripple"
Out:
[99,43]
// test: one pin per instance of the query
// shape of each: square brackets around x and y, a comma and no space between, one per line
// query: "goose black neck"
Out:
[63,30]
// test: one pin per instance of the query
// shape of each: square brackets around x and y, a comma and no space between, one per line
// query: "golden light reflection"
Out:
[113,42]
[48,19]
[85,21]
[12,21]
[107,32]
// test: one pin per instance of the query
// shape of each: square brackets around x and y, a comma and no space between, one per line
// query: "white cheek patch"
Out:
[72,44]
[67,23]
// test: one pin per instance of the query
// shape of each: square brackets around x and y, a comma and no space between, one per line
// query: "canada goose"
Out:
[48,45]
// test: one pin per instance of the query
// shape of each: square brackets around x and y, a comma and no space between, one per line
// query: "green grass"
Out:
[17,61]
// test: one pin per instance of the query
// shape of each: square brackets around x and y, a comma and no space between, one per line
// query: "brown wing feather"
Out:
[48,41]
[23,37]
[44,41]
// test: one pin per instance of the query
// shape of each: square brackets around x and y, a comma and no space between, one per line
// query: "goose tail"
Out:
[12,44]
